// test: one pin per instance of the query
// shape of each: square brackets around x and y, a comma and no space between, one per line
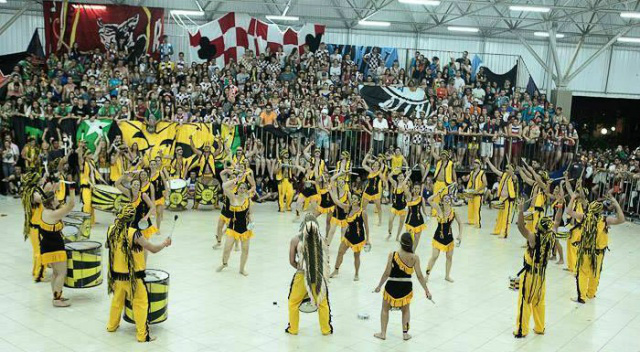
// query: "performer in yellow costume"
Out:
[593,244]
[540,193]
[356,235]
[443,237]
[126,273]
[507,191]
[444,175]
[578,206]
[88,178]
[531,295]
[399,190]
[308,255]
[373,189]
[239,228]
[477,185]
[32,204]
[284,175]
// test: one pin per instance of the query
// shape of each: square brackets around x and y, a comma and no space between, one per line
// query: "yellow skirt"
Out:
[397,302]
[354,247]
[314,198]
[160,201]
[224,219]
[338,222]
[416,229]
[54,257]
[240,236]
[398,212]
[370,197]
[441,247]
[328,210]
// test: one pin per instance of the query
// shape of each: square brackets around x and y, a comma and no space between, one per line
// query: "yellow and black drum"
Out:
[85,228]
[84,264]
[206,194]
[178,194]
[563,232]
[70,234]
[157,282]
[107,198]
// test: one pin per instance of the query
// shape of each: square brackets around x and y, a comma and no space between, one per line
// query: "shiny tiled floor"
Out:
[212,311]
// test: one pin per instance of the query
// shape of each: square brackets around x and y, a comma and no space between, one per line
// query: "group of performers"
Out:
[344,204]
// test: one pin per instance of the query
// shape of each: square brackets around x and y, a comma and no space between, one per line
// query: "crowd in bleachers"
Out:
[283,100]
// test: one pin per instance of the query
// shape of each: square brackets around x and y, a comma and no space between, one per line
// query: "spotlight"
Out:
[604,131]
[613,128]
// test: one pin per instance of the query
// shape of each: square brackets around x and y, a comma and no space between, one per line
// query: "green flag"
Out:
[90,131]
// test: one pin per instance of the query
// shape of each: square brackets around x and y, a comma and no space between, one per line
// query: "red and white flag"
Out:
[233,33]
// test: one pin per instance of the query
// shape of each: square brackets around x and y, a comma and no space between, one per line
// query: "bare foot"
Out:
[244,272]
[218,244]
[334,273]
[448,278]
[356,278]
[406,336]
[560,262]
[221,267]
[380,336]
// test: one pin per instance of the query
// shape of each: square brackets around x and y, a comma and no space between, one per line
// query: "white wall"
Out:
[615,72]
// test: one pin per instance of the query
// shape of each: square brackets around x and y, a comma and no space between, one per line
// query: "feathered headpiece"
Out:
[315,262]
[117,234]
[29,187]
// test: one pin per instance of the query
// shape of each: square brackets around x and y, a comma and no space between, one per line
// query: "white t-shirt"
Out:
[458,83]
[406,126]
[381,125]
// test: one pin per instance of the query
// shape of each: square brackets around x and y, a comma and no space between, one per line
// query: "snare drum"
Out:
[563,232]
[84,264]
[496,204]
[85,228]
[178,194]
[206,194]
[70,234]
[76,224]
[107,198]
[157,282]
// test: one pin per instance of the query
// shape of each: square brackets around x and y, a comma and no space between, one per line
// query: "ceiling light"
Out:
[630,14]
[80,6]
[282,18]
[187,13]
[613,128]
[629,40]
[529,8]
[463,29]
[603,131]
[546,34]
[374,23]
[421,2]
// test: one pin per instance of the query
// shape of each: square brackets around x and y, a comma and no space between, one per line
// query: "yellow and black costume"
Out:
[474,202]
[206,164]
[285,187]
[141,210]
[51,242]
[355,237]
[126,273]
[310,191]
[537,207]
[443,237]
[326,205]
[32,215]
[592,246]
[339,216]
[374,186]
[396,166]
[399,202]
[448,178]
[158,186]
[575,234]
[225,213]
[398,291]
[503,223]
[531,295]
[239,222]
[414,223]
[86,177]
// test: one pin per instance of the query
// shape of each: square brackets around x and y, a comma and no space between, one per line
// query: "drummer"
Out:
[205,162]
[507,192]
[52,248]
[32,194]
[475,187]
[443,176]
[140,200]
[127,267]
[88,177]
[159,179]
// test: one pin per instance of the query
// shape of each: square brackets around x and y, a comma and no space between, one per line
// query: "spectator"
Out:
[380,127]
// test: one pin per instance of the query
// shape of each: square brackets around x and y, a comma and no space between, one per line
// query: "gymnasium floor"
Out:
[211,311]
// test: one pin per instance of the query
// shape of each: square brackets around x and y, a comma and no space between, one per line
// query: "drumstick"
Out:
[175,219]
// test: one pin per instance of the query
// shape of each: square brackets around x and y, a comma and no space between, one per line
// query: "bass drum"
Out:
[107,198]
[178,194]
[157,283]
[84,264]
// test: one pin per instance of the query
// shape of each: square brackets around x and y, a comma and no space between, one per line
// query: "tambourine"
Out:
[367,247]
[307,307]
